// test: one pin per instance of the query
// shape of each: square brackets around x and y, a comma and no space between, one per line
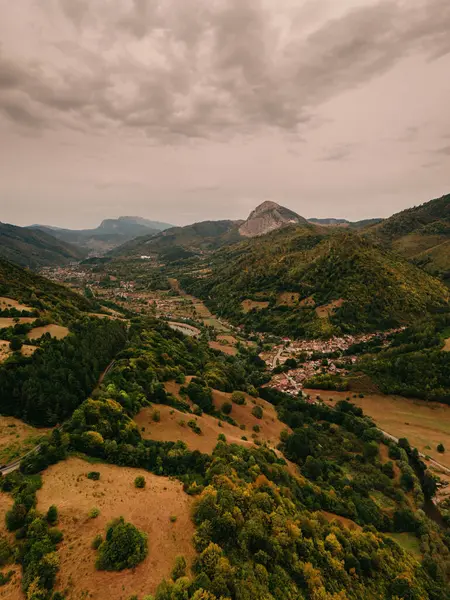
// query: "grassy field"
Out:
[56,331]
[114,494]
[408,542]
[16,438]
[425,424]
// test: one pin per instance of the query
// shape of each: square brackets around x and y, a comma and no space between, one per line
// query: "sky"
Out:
[189,110]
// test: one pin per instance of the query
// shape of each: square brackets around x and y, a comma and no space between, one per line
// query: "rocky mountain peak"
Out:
[267,217]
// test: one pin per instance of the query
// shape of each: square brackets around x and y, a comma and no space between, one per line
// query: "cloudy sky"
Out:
[187,110]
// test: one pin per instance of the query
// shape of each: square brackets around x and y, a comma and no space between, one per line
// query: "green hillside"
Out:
[297,282]
[38,292]
[421,234]
[35,249]
[182,242]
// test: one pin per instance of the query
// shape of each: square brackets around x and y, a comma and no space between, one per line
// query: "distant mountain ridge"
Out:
[108,235]
[184,242]
[35,248]
[331,222]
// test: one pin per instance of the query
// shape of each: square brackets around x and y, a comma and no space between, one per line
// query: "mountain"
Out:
[298,282]
[109,234]
[183,242]
[34,248]
[194,240]
[421,234]
[268,217]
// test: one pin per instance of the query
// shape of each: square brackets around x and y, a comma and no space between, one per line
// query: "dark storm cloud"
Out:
[205,69]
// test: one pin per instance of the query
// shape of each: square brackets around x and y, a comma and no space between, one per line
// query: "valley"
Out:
[217,409]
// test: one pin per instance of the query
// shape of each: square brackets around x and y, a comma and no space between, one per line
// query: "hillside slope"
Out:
[421,234]
[298,282]
[38,292]
[109,234]
[183,242]
[35,249]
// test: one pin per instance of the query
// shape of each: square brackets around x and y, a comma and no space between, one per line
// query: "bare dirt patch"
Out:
[56,331]
[5,350]
[348,523]
[307,301]
[149,509]
[248,305]
[6,303]
[446,347]
[327,310]
[230,350]
[288,298]
[10,321]
[424,424]
[16,438]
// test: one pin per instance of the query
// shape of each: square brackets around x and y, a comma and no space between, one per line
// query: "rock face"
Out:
[267,217]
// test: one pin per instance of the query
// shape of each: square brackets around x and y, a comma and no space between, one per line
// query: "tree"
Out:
[125,547]
[227,407]
[52,515]
[440,448]
[179,569]
[15,344]
[238,398]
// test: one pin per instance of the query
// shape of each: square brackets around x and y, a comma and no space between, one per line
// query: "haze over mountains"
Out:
[109,234]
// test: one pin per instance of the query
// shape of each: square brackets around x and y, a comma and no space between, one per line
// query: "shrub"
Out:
[95,545]
[55,535]
[256,428]
[139,482]
[257,412]
[5,551]
[95,475]
[52,515]
[195,428]
[173,518]
[221,437]
[179,569]
[94,513]
[440,448]
[227,407]
[125,547]
[238,398]
[156,416]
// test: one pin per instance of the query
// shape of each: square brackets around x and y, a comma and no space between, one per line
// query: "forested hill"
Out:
[296,282]
[35,249]
[182,242]
[421,234]
[40,293]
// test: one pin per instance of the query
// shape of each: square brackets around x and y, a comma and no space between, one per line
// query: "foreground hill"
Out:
[421,234]
[35,249]
[109,234]
[298,282]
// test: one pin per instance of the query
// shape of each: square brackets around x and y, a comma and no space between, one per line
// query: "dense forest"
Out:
[304,285]
[45,388]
